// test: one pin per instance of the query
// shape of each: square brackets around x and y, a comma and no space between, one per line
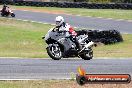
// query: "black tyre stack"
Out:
[69,4]
[105,36]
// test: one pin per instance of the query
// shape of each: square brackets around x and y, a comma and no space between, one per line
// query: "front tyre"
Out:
[12,14]
[87,56]
[54,51]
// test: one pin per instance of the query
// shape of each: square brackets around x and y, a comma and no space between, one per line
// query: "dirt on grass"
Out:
[60,84]
[73,84]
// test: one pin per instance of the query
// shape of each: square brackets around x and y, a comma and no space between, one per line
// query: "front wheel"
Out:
[87,56]
[54,51]
[12,14]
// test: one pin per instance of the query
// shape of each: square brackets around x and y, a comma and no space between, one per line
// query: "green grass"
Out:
[123,49]
[57,84]
[115,50]
[23,39]
[9,84]
[37,84]
[106,13]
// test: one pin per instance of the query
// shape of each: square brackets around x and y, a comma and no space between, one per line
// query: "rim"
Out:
[55,50]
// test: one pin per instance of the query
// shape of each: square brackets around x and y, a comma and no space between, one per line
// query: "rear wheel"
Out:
[87,56]
[2,14]
[54,51]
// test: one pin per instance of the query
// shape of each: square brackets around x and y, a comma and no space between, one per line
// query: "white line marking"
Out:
[42,22]
[32,21]
[74,26]
[17,79]
[99,17]
[85,16]
[36,79]
[67,58]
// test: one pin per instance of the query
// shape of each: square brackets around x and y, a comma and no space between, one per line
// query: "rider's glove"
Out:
[67,34]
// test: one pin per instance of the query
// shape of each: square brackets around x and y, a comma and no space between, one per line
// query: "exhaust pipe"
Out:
[90,44]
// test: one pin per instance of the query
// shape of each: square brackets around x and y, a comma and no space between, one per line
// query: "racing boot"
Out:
[90,44]
[78,46]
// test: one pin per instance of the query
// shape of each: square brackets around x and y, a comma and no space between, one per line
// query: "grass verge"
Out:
[122,49]
[106,13]
[57,84]
[23,39]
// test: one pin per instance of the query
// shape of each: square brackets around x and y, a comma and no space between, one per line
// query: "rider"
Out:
[5,9]
[61,25]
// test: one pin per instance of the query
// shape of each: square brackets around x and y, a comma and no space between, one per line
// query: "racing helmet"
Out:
[4,5]
[59,20]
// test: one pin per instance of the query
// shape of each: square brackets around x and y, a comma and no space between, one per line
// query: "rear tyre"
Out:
[2,14]
[87,56]
[54,51]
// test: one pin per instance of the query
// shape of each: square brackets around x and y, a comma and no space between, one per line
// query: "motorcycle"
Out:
[7,13]
[60,45]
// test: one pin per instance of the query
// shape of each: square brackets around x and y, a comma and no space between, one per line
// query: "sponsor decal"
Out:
[83,78]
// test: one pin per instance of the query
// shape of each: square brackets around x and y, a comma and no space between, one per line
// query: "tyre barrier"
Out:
[71,4]
[105,37]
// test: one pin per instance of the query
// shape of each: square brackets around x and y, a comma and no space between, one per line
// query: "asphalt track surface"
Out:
[62,69]
[123,26]
[65,68]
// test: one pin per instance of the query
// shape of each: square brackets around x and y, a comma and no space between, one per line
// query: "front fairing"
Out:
[59,37]
[47,36]
[54,35]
